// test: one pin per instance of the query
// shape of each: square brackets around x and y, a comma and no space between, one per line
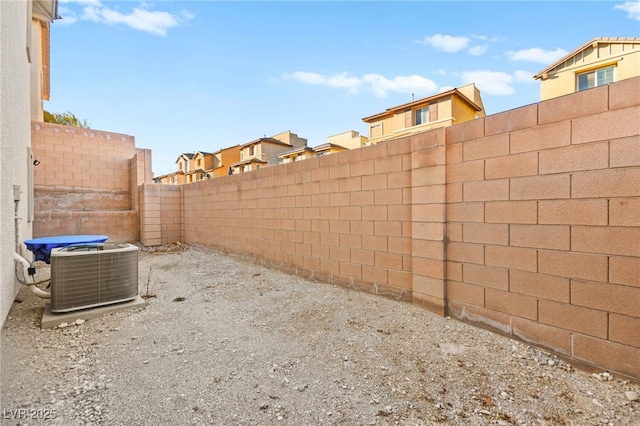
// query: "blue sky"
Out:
[187,76]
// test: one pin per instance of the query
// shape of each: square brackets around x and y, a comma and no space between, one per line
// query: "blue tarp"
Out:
[41,247]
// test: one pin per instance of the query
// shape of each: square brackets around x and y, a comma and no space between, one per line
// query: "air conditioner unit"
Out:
[89,275]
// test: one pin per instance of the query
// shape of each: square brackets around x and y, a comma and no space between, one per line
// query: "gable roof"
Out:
[201,154]
[328,145]
[186,156]
[265,140]
[593,42]
[452,92]
[295,151]
[249,161]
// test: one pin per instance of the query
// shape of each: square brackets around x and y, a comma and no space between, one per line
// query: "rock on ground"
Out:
[226,342]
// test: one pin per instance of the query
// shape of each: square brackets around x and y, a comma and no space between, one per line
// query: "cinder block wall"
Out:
[83,182]
[343,218]
[543,224]
[525,222]
[160,213]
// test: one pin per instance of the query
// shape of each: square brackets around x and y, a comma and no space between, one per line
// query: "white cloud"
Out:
[140,18]
[490,82]
[83,2]
[632,8]
[537,54]
[336,81]
[402,84]
[478,50]
[68,17]
[523,77]
[446,43]
[379,84]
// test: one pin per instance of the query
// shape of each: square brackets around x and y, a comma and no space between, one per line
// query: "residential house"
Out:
[185,164]
[223,159]
[341,142]
[444,109]
[296,154]
[264,151]
[200,166]
[600,61]
[336,143]
[175,178]
[24,84]
[202,162]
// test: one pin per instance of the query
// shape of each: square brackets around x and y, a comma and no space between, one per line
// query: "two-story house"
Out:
[336,143]
[202,162]
[601,61]
[444,109]
[264,151]
[201,165]
[222,161]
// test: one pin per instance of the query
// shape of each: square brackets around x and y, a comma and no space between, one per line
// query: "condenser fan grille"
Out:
[88,276]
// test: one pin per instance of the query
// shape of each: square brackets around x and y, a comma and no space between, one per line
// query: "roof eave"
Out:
[391,111]
[591,42]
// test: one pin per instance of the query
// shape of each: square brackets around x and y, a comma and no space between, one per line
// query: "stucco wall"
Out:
[524,222]
[14,141]
[562,80]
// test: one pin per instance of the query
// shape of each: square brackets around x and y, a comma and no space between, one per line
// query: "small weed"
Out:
[147,293]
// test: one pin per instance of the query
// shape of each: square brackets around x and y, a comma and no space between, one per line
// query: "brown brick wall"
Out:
[524,222]
[83,184]
[549,226]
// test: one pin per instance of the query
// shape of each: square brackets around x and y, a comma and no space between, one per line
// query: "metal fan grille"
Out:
[92,278]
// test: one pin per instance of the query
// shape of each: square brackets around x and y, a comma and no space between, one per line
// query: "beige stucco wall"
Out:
[562,80]
[291,138]
[14,140]
[350,139]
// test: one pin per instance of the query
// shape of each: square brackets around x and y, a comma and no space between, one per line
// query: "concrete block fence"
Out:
[83,182]
[525,222]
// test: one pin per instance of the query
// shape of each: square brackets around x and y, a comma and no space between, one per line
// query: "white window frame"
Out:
[422,113]
[596,82]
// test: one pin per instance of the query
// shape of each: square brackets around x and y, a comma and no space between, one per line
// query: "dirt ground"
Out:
[225,342]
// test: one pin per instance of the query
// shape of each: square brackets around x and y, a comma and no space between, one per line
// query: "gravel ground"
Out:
[226,342]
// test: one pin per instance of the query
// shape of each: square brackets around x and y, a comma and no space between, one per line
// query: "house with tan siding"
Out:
[453,106]
[600,61]
[336,143]
[264,151]
[223,159]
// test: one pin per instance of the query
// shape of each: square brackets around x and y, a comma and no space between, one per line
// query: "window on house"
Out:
[595,78]
[298,158]
[421,116]
[252,150]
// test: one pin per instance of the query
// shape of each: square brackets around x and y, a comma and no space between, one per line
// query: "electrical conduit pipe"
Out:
[25,272]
